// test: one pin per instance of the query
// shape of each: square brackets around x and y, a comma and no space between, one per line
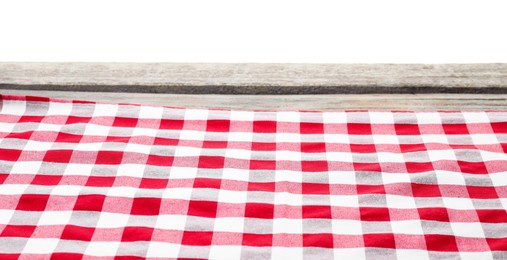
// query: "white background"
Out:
[356,31]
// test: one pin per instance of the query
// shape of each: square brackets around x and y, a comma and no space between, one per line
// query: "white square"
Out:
[287,138]
[112,220]
[177,193]
[96,130]
[345,177]
[183,172]
[196,114]
[54,218]
[283,155]
[381,118]
[470,229]
[78,169]
[40,245]
[476,255]
[292,253]
[66,190]
[239,137]
[238,153]
[171,222]
[235,174]
[484,139]
[23,167]
[148,112]
[492,156]
[350,253]
[12,189]
[132,170]
[288,116]
[241,116]
[498,178]
[229,224]
[437,155]
[334,117]
[57,108]
[285,198]
[289,176]
[412,227]
[288,226]
[88,147]
[6,127]
[37,146]
[192,135]
[151,132]
[475,117]
[458,203]
[5,214]
[390,178]
[163,250]
[13,107]
[336,139]
[385,139]
[428,118]
[122,191]
[137,148]
[435,138]
[339,157]
[49,127]
[347,227]
[344,201]
[225,252]
[413,254]
[105,110]
[229,196]
[102,248]
[400,202]
[450,178]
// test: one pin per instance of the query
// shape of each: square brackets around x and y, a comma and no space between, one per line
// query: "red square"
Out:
[100,181]
[71,232]
[313,147]
[207,183]
[262,165]
[171,124]
[315,188]
[367,167]
[258,146]
[257,239]
[89,202]
[214,144]
[49,180]
[109,157]
[359,129]
[32,202]
[160,160]
[499,127]
[425,190]
[9,154]
[370,189]
[379,240]
[213,125]
[407,129]
[77,120]
[324,240]
[443,243]
[211,162]
[374,214]
[407,148]
[68,138]
[153,183]
[317,212]
[314,166]
[165,141]
[3,177]
[416,167]
[311,128]
[66,256]
[435,214]
[146,206]
[492,215]
[34,119]
[497,244]
[125,122]
[58,156]
[259,210]
[132,234]
[261,186]
[482,192]
[362,148]
[18,231]
[202,208]
[197,238]
[473,167]
[264,126]
[455,129]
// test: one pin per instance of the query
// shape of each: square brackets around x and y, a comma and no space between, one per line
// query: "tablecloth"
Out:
[86,180]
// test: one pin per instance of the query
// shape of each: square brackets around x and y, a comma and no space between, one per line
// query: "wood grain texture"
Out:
[266,79]
[292,102]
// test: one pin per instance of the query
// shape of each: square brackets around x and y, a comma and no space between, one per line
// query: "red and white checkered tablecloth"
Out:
[102,181]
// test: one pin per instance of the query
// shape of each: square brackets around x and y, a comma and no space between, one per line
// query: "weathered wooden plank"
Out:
[268,79]
[292,102]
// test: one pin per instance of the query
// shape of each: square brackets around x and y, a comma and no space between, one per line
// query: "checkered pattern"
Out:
[101,181]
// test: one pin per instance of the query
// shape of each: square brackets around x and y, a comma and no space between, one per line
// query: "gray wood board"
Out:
[292,102]
[251,78]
